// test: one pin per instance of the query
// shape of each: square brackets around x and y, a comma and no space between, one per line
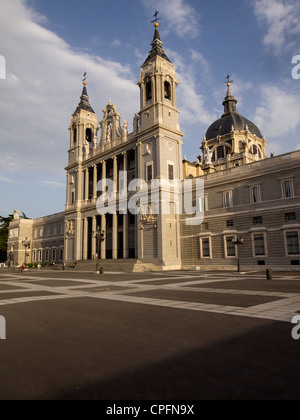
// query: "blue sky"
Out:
[49,44]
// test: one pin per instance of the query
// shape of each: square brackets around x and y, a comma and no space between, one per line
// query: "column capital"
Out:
[124,153]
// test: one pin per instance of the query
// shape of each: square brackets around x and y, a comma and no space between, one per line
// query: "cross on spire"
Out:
[228,77]
[156,17]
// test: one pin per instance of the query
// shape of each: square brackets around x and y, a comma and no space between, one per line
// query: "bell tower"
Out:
[159,157]
[158,85]
[83,143]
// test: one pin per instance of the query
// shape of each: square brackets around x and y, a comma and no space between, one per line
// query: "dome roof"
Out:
[224,126]
[231,118]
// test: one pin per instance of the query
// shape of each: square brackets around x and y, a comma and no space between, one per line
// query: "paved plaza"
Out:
[172,335]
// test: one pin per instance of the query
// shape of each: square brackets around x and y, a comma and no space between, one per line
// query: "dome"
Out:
[224,126]
[231,118]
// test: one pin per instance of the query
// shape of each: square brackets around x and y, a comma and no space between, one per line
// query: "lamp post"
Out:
[26,244]
[100,236]
[238,242]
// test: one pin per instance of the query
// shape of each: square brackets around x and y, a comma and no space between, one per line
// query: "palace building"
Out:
[248,197]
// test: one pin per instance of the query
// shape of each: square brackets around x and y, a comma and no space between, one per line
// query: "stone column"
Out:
[94,239]
[85,238]
[103,217]
[125,216]
[115,216]
[95,182]
[78,239]
[79,192]
[87,180]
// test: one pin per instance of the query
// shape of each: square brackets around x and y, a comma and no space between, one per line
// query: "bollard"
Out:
[269,274]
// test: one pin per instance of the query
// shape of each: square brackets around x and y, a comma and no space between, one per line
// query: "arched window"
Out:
[259,152]
[167,91]
[254,149]
[89,135]
[149,91]
[221,152]
[74,134]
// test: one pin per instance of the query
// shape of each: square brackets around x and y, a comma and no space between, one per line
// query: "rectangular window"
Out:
[255,195]
[229,223]
[258,220]
[171,172]
[61,254]
[205,248]
[205,226]
[47,256]
[149,173]
[259,245]
[230,247]
[40,256]
[73,197]
[227,199]
[287,189]
[292,243]
[290,217]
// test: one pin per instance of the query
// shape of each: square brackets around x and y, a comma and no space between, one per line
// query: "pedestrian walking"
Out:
[22,269]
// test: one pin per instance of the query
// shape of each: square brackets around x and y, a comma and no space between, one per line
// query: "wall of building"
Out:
[264,225]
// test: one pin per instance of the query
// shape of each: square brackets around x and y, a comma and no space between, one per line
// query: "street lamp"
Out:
[238,241]
[100,236]
[26,244]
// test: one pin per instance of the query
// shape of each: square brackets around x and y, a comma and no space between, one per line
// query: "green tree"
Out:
[4,224]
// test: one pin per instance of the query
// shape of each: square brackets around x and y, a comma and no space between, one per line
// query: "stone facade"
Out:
[46,237]
[246,195]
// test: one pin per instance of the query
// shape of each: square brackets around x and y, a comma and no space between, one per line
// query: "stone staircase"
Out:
[115,266]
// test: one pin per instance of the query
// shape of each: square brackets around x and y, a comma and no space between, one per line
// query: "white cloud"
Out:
[279,113]
[192,104]
[53,184]
[42,91]
[5,179]
[180,16]
[282,21]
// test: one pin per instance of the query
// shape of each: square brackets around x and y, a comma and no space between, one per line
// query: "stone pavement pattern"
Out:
[181,290]
[150,336]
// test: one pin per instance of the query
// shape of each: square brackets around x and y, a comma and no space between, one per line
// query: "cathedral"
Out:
[250,203]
